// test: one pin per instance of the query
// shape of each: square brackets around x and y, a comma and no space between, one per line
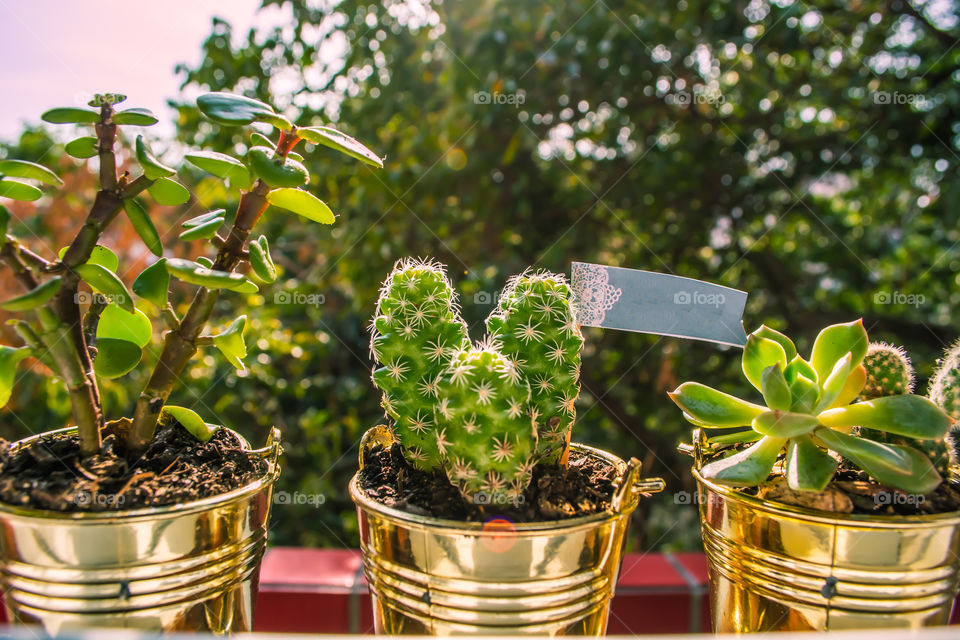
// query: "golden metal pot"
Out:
[440,577]
[182,567]
[776,567]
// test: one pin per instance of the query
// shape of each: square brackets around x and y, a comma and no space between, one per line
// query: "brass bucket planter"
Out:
[430,576]
[182,567]
[776,567]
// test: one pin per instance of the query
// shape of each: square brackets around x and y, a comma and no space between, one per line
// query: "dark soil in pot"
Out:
[583,488]
[176,468]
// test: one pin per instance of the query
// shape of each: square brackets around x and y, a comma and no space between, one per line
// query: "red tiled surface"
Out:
[322,591]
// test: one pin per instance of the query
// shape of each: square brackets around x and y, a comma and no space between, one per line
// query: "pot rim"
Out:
[826,517]
[459,527]
[151,513]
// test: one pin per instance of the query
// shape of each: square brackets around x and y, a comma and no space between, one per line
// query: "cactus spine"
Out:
[486,431]
[889,372]
[415,332]
[534,326]
[945,391]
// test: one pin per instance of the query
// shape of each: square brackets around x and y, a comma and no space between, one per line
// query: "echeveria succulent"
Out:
[806,414]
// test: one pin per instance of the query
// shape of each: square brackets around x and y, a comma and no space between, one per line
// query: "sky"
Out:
[56,53]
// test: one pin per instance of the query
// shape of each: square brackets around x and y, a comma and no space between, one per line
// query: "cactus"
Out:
[889,372]
[945,392]
[485,428]
[535,327]
[945,384]
[415,332]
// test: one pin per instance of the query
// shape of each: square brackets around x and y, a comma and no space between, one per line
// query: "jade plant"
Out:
[809,415]
[484,414]
[83,337]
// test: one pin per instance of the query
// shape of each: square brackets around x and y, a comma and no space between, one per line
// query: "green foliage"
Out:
[189,420]
[803,415]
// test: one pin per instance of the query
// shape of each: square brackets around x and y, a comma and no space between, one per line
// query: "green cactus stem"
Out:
[889,372]
[416,331]
[945,392]
[534,326]
[486,431]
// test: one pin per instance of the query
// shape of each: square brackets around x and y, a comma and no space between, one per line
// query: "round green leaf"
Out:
[115,357]
[302,203]
[905,415]
[33,298]
[808,467]
[85,147]
[260,261]
[152,167]
[143,225]
[758,354]
[197,274]
[231,344]
[202,231]
[341,142]
[746,468]
[189,420]
[257,139]
[222,166]
[100,255]
[137,116]
[153,284]
[9,358]
[204,261]
[29,170]
[783,424]
[714,408]
[168,192]
[17,190]
[100,99]
[231,109]
[269,168]
[204,218]
[836,341]
[71,115]
[772,334]
[118,324]
[107,283]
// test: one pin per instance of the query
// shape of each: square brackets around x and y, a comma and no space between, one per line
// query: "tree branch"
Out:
[180,344]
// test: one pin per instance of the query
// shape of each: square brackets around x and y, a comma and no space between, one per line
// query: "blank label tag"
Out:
[649,302]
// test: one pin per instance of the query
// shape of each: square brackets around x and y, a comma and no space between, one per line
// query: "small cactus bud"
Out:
[889,372]
[535,327]
[417,328]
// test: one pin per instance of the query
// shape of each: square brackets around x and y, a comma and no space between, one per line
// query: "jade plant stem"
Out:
[181,342]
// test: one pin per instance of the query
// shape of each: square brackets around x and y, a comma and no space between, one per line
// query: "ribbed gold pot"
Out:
[430,576]
[183,567]
[776,567]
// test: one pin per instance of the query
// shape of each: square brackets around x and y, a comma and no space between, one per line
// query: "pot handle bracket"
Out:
[632,486]
[271,452]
